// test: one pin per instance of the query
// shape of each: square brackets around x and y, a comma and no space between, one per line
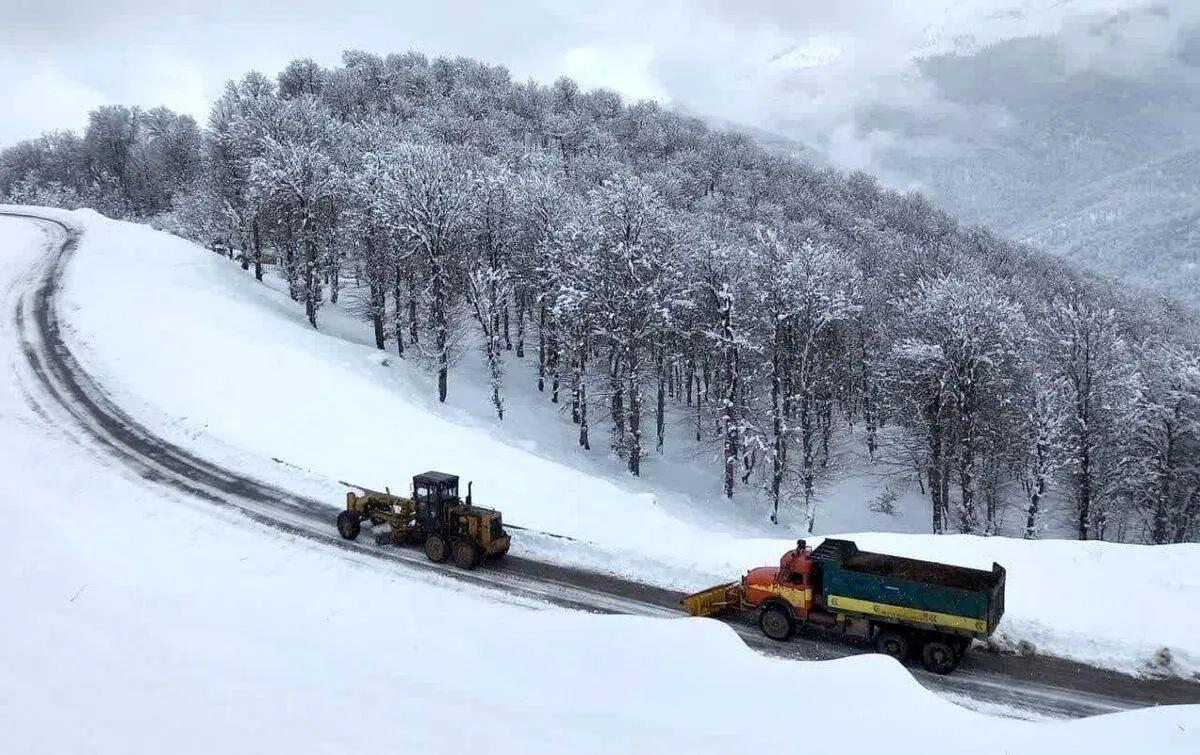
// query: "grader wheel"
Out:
[348,525]
[436,549]
[466,555]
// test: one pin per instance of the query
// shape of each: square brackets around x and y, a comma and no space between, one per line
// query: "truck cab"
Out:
[788,587]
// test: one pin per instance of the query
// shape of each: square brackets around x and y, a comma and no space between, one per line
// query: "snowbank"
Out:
[155,627]
[144,624]
[199,350]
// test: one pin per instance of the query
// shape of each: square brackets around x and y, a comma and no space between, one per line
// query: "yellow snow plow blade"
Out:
[714,599]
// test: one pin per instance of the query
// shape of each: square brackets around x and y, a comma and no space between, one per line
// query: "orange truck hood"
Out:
[763,575]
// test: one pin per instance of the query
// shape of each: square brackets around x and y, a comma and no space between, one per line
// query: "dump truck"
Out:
[448,526]
[907,608]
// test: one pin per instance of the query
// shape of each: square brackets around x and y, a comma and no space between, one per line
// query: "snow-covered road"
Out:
[996,683]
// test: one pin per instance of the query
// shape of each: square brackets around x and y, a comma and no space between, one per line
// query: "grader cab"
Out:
[435,515]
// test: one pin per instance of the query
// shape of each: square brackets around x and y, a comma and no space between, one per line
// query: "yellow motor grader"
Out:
[450,527]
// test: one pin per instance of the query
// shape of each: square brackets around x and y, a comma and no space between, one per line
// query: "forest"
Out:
[660,274]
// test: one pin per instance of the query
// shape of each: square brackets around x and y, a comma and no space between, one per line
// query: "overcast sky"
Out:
[814,60]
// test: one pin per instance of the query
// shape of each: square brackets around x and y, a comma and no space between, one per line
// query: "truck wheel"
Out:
[775,623]
[892,643]
[466,555]
[435,549]
[348,525]
[939,657]
[961,646]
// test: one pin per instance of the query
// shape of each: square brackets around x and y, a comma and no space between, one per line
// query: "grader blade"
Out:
[714,600]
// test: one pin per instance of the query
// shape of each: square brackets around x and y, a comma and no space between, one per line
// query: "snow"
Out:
[235,372]
[144,623]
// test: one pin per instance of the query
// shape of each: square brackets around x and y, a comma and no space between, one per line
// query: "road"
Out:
[1026,687]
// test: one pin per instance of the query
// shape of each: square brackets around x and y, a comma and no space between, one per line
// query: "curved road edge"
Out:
[1042,685]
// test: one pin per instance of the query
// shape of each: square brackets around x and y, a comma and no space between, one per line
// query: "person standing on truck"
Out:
[791,560]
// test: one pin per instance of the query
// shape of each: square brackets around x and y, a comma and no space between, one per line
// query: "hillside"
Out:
[337,410]
[158,622]
[1082,143]
[683,293]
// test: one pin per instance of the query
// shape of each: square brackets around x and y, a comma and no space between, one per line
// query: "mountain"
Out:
[1095,157]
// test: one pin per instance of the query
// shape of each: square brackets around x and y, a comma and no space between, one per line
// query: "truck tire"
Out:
[466,555]
[348,525]
[939,657]
[435,549]
[776,622]
[892,643]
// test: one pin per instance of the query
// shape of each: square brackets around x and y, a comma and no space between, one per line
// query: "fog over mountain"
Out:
[1084,141]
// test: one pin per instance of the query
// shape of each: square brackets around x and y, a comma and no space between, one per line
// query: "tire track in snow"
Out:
[1045,687]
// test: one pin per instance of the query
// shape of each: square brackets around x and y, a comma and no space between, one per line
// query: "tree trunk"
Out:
[937,490]
[581,360]
[376,294]
[826,428]
[1162,524]
[258,253]
[440,325]
[413,327]
[968,518]
[311,280]
[1084,486]
[635,413]
[1035,488]
[541,373]
[508,346]
[1185,518]
[691,377]
[335,276]
[808,473]
[245,253]
[399,314]
[729,418]
[617,405]
[555,356]
[660,410]
[521,325]
[868,395]
[779,443]
[492,349]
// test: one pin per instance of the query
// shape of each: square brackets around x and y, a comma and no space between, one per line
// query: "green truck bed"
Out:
[926,594]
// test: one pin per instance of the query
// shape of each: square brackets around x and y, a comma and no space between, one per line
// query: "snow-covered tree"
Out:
[1084,349]
[1161,472]
[808,295]
[626,236]
[1044,447]
[493,229]
[953,369]
[296,171]
[433,203]
[621,234]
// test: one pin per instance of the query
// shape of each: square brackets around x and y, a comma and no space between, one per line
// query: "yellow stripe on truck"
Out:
[797,596]
[889,611]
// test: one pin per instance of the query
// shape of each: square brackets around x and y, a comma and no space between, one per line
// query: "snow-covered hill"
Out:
[155,623]
[214,361]
[136,622]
